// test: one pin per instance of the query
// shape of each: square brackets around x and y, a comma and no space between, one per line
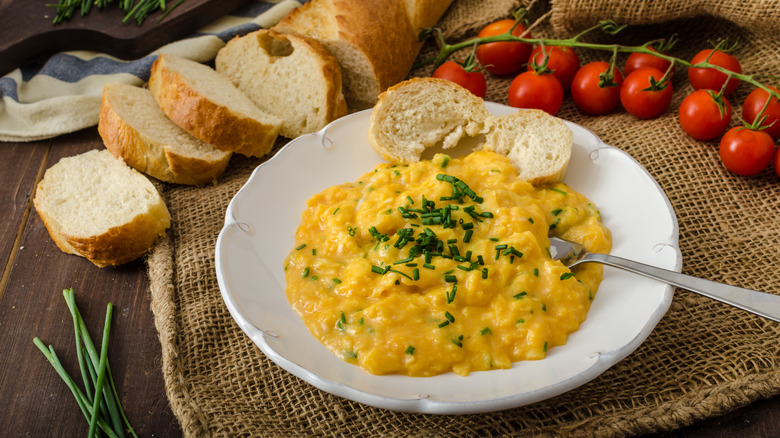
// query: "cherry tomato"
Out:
[745,151]
[701,117]
[563,62]
[711,79]
[645,104]
[589,96]
[777,162]
[752,106]
[637,60]
[533,90]
[473,81]
[507,57]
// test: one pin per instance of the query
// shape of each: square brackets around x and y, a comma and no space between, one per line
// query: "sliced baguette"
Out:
[291,76]
[134,128]
[208,106]
[375,41]
[537,144]
[96,206]
[423,113]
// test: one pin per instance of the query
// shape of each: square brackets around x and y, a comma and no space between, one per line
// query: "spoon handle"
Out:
[760,303]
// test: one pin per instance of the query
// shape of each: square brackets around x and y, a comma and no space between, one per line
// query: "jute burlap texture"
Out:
[703,359]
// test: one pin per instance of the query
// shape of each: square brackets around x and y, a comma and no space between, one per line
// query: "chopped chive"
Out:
[451,294]
[300,247]
[520,295]
[480,260]
[415,274]
[501,247]
[520,321]
[567,275]
[536,272]
[337,281]
[314,277]
[450,279]
[531,220]
[410,350]
[428,266]
[545,346]
[444,324]
[458,341]
[556,212]
[314,251]
[449,316]
[485,331]
[336,210]
[484,273]
[445,161]
[558,190]
[493,239]
[467,236]
[544,307]
[409,198]
[305,272]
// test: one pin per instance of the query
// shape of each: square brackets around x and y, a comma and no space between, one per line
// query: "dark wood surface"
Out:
[26,29]
[38,404]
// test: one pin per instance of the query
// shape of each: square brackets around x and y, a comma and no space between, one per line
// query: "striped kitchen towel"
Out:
[62,94]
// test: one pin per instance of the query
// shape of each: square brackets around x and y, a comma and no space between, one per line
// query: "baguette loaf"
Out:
[95,206]
[291,76]
[423,113]
[135,129]
[375,41]
[208,106]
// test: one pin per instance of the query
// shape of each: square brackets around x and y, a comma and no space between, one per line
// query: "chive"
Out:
[555,224]
[567,275]
[314,251]
[428,266]
[458,341]
[520,295]
[531,220]
[480,260]
[415,274]
[300,247]
[445,161]
[467,236]
[410,350]
[409,198]
[536,272]
[558,190]
[450,279]
[545,346]
[484,273]
[556,212]
[544,307]
[451,294]
[305,272]
[314,277]
[485,331]
[520,321]
[444,324]
[336,210]
[350,354]
[449,316]
[337,281]
[501,247]
[377,269]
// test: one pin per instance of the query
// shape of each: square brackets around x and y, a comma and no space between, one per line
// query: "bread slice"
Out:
[208,106]
[135,129]
[537,144]
[96,206]
[291,76]
[375,41]
[423,113]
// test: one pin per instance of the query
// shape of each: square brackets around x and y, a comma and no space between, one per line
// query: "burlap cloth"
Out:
[703,359]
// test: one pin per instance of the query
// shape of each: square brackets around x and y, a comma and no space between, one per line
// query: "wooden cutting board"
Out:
[27,32]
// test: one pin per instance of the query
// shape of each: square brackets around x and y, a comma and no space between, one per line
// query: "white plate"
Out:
[259,232]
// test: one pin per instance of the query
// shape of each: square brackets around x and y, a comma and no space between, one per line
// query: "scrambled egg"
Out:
[442,265]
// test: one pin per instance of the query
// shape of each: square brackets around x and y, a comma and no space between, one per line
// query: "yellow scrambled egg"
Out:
[442,265]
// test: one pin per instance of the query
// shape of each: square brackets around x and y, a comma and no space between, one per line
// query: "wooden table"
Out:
[36,401]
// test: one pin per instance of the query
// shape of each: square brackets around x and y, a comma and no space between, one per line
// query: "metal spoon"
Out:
[760,303]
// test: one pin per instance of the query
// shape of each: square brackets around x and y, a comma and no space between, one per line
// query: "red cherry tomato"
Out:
[473,81]
[777,162]
[503,58]
[745,151]
[533,90]
[645,104]
[701,117]
[711,79]
[591,97]
[637,60]
[563,62]
[752,106]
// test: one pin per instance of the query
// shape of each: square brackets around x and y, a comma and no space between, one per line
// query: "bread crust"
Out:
[382,31]
[127,143]
[211,122]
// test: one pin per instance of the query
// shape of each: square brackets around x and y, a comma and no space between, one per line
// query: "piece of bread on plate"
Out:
[134,128]
[290,76]
[208,106]
[375,41]
[538,144]
[427,113]
[98,207]
[423,113]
